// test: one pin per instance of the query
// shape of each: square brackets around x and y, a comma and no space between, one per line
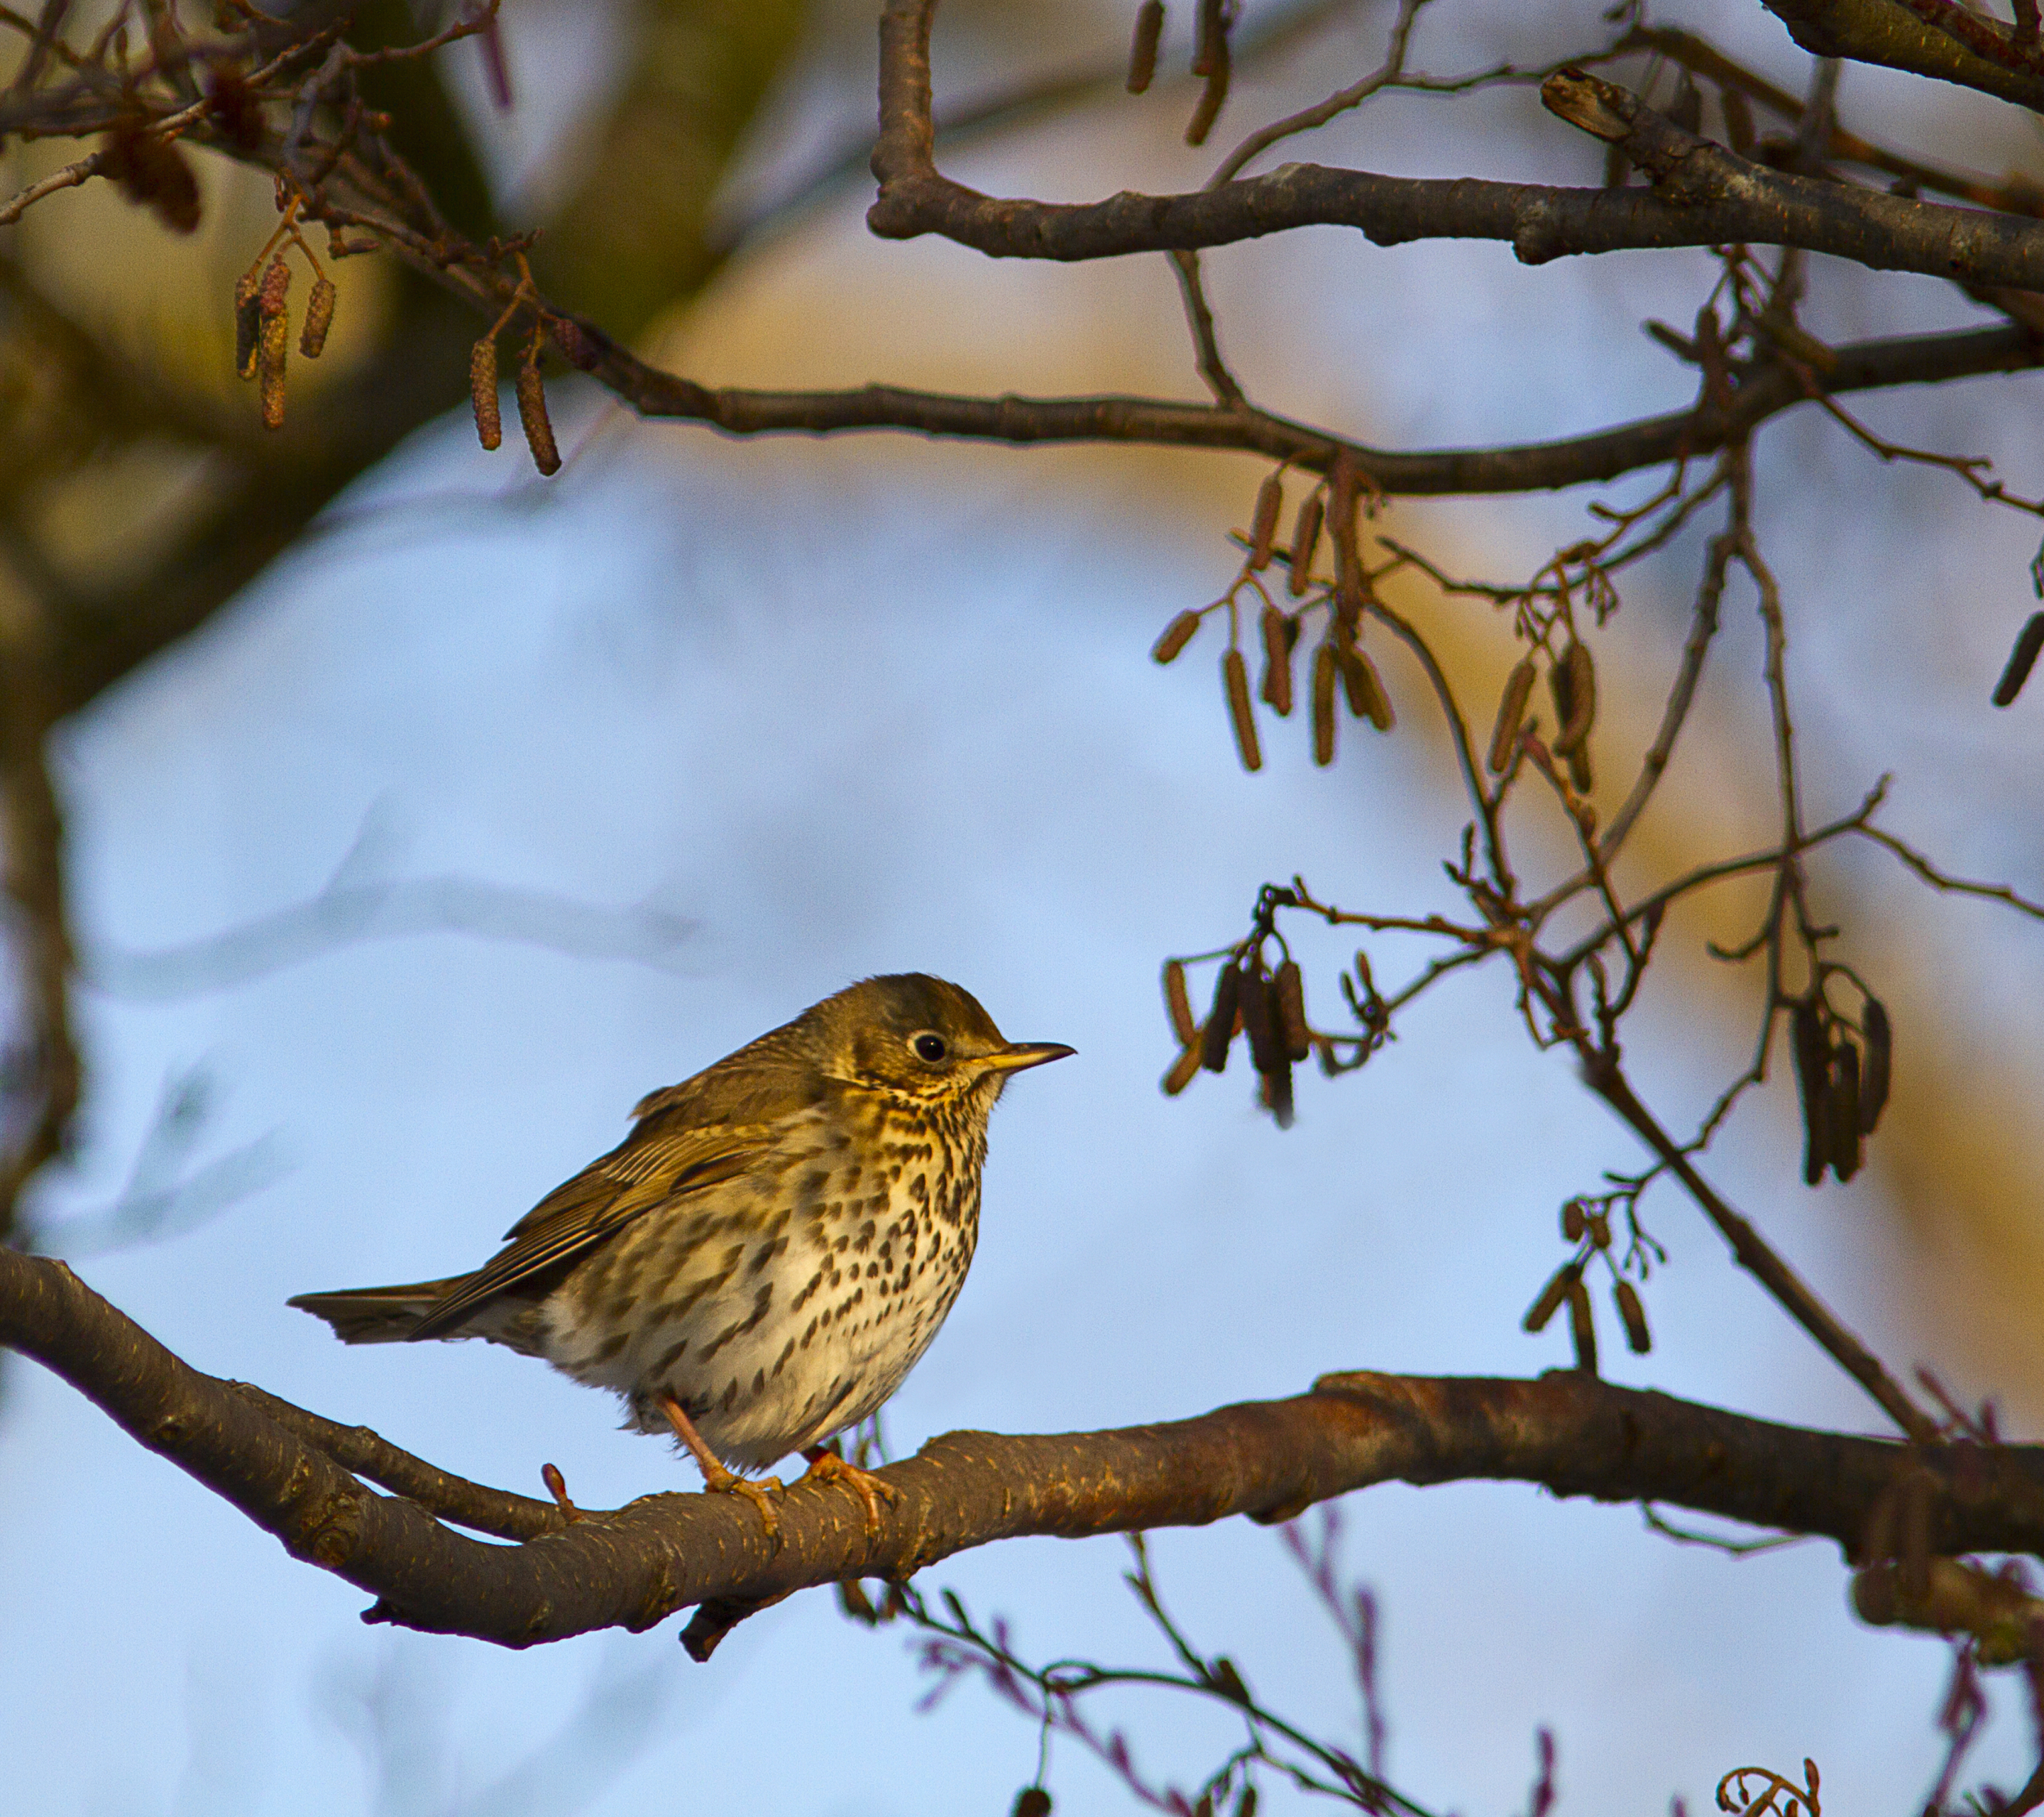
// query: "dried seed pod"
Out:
[247,323]
[1182,1070]
[1290,989]
[1212,98]
[319,318]
[1259,1021]
[274,346]
[1220,1018]
[1880,1040]
[1278,632]
[2022,659]
[1510,715]
[1177,634]
[1275,1088]
[533,417]
[1813,1083]
[482,393]
[1574,1222]
[1325,665]
[1178,1005]
[1551,1298]
[1574,679]
[1263,527]
[1235,680]
[1366,697]
[1844,1125]
[1582,1327]
[1306,542]
[1633,1317]
[1143,48]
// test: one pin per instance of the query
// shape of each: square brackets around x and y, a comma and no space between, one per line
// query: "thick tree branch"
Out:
[1568,1432]
[1703,195]
[1972,52]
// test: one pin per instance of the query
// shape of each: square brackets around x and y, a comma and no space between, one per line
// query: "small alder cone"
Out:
[1306,543]
[1510,715]
[532,418]
[1177,634]
[482,393]
[319,318]
[1142,49]
[274,347]
[1235,679]
[1278,633]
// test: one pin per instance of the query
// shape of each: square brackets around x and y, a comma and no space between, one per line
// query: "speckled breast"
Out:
[784,1305]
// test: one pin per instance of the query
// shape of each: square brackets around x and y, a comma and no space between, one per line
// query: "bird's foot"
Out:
[557,1487]
[827,1466]
[717,1479]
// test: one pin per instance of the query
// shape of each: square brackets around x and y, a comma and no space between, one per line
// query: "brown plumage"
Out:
[761,1261]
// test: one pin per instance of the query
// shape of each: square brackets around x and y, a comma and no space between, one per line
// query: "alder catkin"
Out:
[1181,1072]
[1633,1317]
[1210,40]
[1263,527]
[532,418]
[1235,679]
[1305,542]
[1277,1093]
[482,393]
[1366,697]
[1178,1003]
[1510,715]
[1582,1327]
[1812,1052]
[1219,1030]
[1325,664]
[1290,991]
[1143,48]
[1576,684]
[319,318]
[1551,1298]
[1845,1129]
[1879,1038]
[1277,635]
[274,349]
[247,323]
[1266,1048]
[2022,659]
[1177,634]
[1212,98]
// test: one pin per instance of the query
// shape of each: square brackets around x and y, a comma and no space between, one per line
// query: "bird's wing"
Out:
[652,1167]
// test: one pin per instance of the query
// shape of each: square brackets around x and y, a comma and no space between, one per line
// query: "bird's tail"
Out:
[377,1314]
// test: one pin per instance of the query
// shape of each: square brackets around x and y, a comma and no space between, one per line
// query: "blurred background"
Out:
[421,814]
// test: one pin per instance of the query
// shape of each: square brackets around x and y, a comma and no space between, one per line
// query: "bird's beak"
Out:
[1018,1056]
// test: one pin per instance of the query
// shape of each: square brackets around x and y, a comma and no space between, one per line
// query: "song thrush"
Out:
[767,1254]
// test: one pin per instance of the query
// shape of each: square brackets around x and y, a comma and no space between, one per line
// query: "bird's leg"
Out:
[827,1466]
[716,1477]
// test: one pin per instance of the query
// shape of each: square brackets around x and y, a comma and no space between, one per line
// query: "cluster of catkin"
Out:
[530,390]
[263,329]
[1212,61]
[1843,1083]
[1587,1224]
[1572,687]
[1267,1006]
[1341,670]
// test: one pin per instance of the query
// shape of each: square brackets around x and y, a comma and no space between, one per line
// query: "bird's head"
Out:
[915,1036]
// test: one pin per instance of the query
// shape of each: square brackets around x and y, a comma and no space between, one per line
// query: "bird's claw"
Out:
[827,1466]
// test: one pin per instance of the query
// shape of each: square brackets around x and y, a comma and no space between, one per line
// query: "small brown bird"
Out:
[759,1264]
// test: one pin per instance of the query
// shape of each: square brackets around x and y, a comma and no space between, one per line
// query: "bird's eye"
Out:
[929,1047]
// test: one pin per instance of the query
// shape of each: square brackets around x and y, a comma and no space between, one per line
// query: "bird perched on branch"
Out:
[759,1264]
